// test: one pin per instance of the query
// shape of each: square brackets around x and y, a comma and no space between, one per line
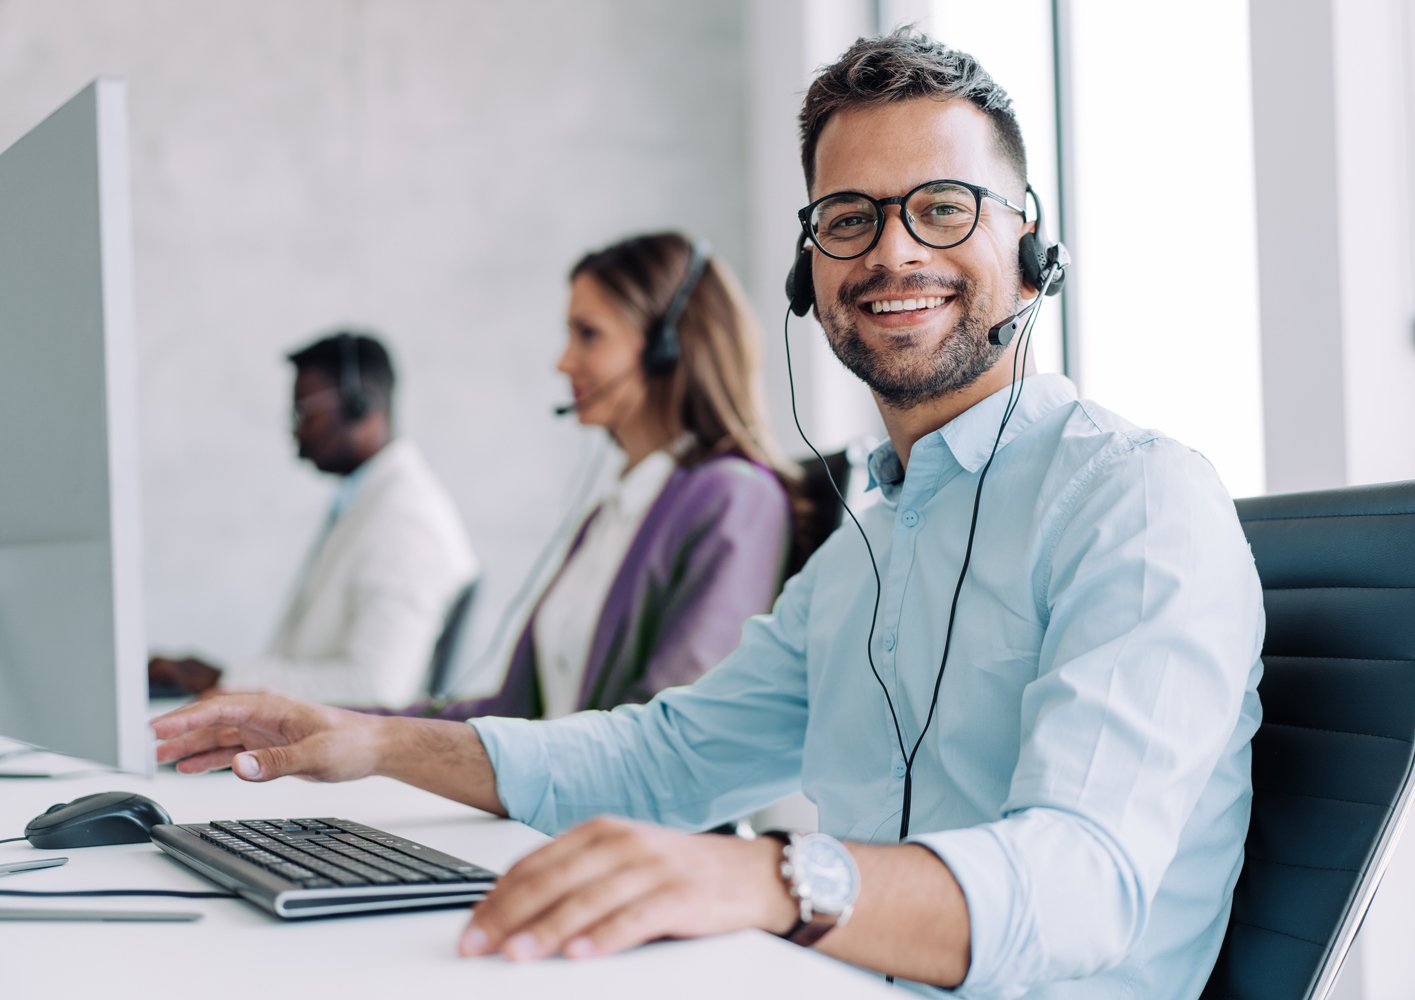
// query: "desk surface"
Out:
[236,947]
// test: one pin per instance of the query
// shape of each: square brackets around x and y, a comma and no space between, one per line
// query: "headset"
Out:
[661,344]
[1043,266]
[352,398]
[1036,256]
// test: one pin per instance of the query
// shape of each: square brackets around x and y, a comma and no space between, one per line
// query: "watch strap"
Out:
[810,926]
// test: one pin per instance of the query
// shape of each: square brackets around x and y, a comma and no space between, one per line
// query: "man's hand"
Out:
[189,673]
[264,736]
[610,884]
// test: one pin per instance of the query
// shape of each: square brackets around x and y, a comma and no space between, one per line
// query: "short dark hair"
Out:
[353,355]
[898,67]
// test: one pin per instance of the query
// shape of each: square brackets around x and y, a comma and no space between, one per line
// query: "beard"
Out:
[906,376]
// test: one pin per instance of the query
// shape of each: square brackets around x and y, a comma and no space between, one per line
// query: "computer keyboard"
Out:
[320,867]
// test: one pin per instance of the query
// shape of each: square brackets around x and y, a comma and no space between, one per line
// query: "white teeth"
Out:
[906,305]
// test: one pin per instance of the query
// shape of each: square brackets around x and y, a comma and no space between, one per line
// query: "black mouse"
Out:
[96,820]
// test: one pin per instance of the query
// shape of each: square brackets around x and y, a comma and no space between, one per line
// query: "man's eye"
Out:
[844,224]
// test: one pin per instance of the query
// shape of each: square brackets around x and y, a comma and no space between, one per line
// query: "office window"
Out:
[1013,41]
[1161,224]
[1164,232]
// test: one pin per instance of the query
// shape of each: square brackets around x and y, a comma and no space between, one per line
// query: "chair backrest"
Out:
[1332,758]
[826,510]
[444,653]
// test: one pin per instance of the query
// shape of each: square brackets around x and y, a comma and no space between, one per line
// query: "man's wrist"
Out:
[822,879]
[389,745]
[780,911]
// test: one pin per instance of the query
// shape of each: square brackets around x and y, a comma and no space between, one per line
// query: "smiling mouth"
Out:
[917,304]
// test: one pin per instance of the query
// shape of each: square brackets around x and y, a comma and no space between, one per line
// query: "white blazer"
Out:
[363,621]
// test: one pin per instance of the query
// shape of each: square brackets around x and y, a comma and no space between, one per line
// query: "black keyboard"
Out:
[320,867]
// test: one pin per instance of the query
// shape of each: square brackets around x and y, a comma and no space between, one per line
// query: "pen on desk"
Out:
[163,916]
[11,867]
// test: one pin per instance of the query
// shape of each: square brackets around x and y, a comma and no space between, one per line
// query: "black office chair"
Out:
[826,510]
[444,653]
[1332,759]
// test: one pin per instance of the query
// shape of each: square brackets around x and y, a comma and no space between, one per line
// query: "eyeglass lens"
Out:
[939,215]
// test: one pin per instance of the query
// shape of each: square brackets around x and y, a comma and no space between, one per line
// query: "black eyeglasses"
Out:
[939,214]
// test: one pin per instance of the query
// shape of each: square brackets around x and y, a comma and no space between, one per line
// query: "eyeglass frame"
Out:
[979,193]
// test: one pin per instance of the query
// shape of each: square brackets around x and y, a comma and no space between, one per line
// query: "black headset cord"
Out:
[1013,397]
[126,892]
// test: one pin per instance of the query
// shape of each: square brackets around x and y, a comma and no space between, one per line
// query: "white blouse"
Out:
[570,612]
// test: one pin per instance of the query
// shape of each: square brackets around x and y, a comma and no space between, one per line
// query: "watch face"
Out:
[828,873]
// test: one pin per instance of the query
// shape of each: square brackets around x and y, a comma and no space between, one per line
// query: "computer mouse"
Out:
[96,820]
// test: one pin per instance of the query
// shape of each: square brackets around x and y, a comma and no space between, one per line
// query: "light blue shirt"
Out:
[1086,777]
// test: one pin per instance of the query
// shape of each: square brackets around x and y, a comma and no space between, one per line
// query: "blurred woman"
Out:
[693,538]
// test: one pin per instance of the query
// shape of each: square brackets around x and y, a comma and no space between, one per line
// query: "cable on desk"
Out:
[126,892]
[11,840]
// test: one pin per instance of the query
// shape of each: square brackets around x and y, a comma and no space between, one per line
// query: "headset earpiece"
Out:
[661,344]
[1035,251]
[800,283]
[353,400]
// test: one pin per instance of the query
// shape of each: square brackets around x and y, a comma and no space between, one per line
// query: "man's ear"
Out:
[1031,258]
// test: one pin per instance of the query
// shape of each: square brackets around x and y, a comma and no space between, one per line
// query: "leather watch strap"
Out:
[810,926]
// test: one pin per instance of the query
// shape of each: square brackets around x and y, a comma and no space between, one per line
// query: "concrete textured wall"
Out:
[430,168]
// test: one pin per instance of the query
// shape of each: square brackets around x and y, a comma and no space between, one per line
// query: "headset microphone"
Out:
[565,409]
[1002,334]
[1048,282]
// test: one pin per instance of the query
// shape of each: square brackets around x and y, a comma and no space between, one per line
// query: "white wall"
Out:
[787,40]
[431,169]
[1332,126]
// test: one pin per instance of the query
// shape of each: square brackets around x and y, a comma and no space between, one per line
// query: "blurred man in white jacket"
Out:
[374,592]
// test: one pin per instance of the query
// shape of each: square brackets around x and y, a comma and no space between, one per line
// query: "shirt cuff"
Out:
[522,769]
[984,871]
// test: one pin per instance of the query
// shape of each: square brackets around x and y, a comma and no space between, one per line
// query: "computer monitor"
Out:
[73,674]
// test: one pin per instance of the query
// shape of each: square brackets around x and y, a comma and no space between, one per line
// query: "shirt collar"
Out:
[969,436]
[350,485]
[637,489]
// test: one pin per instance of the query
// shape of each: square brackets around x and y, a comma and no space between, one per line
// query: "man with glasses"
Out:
[391,557]
[1023,706]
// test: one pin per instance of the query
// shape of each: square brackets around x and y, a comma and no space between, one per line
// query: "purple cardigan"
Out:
[709,554]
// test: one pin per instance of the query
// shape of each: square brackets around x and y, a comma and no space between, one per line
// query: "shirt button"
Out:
[889,642]
[899,769]
[910,518]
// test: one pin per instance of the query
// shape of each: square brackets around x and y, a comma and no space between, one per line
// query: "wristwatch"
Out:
[821,876]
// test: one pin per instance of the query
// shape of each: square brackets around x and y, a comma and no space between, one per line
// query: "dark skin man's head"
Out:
[328,436]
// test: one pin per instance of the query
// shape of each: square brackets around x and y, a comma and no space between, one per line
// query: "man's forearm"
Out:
[446,758]
[911,919]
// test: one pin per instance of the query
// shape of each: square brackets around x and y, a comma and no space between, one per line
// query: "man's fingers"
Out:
[273,762]
[200,741]
[577,913]
[566,850]
[213,760]
[232,711]
[663,913]
[531,888]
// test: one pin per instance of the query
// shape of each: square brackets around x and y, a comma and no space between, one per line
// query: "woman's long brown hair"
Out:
[714,388]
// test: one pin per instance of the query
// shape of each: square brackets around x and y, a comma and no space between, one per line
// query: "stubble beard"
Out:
[907,376]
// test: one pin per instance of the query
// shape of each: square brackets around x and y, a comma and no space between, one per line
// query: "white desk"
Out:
[238,950]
